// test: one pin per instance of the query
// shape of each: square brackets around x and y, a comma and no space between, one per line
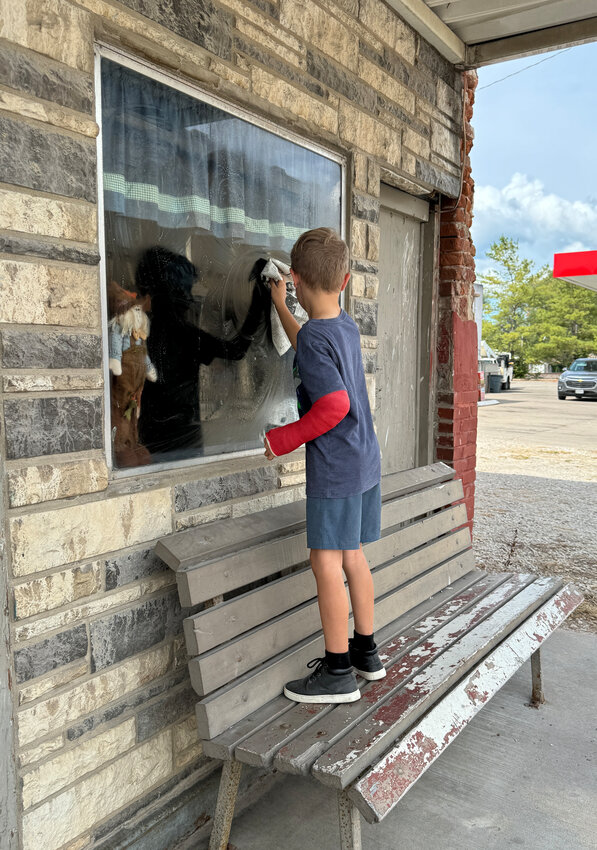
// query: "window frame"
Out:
[148,69]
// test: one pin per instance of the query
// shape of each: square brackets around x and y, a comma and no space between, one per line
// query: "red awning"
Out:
[579,267]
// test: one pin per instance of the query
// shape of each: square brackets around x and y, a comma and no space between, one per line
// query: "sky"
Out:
[533,159]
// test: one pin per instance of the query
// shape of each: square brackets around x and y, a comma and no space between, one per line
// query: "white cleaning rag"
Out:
[277,270]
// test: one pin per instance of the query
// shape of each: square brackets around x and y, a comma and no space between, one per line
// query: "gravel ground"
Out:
[536,496]
[540,525]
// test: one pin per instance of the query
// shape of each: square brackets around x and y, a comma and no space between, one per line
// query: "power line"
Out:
[526,68]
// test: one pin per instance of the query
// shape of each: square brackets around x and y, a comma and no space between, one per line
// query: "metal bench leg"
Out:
[350,823]
[537,697]
[225,805]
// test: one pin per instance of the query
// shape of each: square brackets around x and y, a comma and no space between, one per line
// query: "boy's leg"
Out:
[363,651]
[360,585]
[332,680]
[331,597]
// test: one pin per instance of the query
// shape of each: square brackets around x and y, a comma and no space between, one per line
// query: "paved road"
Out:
[532,432]
[536,496]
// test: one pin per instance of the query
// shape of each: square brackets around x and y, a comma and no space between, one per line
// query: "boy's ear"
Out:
[346,279]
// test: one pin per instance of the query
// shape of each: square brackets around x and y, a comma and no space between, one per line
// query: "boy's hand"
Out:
[268,452]
[278,291]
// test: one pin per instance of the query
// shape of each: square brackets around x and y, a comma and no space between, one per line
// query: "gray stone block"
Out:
[389,61]
[384,105]
[340,80]
[364,206]
[60,649]
[133,566]
[284,69]
[447,183]
[41,77]
[48,161]
[364,267]
[70,253]
[38,350]
[172,813]
[369,362]
[127,703]
[365,315]
[163,712]
[429,59]
[270,9]
[45,426]
[118,636]
[423,83]
[199,21]
[209,491]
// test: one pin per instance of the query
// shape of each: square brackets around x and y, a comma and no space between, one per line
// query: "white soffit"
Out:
[472,33]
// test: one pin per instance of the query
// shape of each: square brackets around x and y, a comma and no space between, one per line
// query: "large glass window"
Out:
[195,201]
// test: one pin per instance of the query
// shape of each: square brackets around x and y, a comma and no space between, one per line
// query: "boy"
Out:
[343,465]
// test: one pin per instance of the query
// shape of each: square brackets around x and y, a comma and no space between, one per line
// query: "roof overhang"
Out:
[472,33]
[579,267]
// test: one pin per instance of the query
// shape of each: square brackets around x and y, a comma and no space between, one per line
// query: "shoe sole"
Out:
[370,677]
[353,696]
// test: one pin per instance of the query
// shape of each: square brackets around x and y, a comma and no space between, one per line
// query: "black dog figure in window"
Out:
[177,347]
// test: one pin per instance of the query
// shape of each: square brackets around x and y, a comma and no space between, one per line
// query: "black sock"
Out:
[364,642]
[338,660]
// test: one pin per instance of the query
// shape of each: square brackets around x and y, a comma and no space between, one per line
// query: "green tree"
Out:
[536,317]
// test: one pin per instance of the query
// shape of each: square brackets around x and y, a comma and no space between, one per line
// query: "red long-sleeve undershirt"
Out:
[324,415]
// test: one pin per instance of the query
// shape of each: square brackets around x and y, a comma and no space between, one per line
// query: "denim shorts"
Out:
[344,523]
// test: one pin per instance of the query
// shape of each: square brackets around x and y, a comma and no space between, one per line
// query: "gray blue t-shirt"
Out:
[344,461]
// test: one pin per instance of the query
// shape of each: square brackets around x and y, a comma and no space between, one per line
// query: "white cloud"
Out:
[543,223]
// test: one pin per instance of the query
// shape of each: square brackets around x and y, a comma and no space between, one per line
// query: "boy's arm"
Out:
[325,414]
[289,323]
[323,384]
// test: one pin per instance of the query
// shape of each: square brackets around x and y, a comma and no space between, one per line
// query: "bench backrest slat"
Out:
[196,545]
[214,669]
[232,618]
[252,563]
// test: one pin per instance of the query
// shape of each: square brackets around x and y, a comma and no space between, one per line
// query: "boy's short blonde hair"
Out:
[321,259]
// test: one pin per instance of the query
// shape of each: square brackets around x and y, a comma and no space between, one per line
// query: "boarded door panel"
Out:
[398,332]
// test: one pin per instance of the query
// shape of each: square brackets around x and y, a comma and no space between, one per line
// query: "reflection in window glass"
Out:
[195,199]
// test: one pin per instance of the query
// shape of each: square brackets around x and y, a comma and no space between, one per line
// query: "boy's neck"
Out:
[323,305]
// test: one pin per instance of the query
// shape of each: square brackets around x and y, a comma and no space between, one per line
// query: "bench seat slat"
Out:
[444,602]
[229,704]
[346,760]
[231,571]
[213,669]
[384,784]
[299,755]
[411,628]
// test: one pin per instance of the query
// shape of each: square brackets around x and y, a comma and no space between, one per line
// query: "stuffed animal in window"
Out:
[130,367]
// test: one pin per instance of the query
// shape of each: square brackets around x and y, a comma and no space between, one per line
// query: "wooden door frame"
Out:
[426,212]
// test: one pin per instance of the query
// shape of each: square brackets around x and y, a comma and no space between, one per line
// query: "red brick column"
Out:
[457,337]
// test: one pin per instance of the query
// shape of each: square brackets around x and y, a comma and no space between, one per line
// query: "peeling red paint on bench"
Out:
[385,784]
[343,762]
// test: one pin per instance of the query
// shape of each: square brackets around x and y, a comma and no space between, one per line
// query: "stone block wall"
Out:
[102,744]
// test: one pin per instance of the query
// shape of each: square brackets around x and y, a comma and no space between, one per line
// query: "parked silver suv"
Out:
[579,380]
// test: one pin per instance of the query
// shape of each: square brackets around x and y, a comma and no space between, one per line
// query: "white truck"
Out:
[494,363]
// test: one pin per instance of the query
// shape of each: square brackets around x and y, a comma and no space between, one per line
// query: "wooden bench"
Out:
[449,635]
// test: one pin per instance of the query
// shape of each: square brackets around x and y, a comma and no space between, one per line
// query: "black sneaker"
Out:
[324,685]
[366,662]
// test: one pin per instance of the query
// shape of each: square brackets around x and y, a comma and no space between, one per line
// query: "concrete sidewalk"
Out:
[516,777]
